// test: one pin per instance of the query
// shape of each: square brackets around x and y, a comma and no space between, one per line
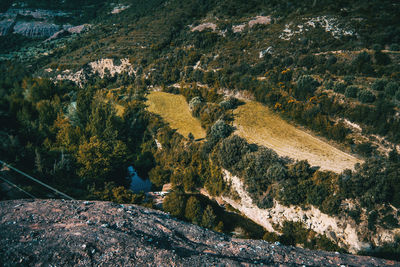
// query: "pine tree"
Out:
[209,217]
[193,210]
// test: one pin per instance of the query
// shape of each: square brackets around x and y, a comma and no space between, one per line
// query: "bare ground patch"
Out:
[175,110]
[259,125]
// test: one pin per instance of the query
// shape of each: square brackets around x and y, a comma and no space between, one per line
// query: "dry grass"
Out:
[175,110]
[257,124]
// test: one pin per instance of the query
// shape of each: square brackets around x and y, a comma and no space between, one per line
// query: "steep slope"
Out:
[83,233]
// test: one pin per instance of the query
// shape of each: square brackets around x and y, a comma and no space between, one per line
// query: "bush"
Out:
[391,88]
[351,91]
[265,202]
[397,95]
[339,87]
[306,86]
[193,210]
[376,47]
[362,63]
[366,96]
[230,103]
[232,150]
[348,79]
[329,84]
[277,172]
[209,219]
[174,203]
[379,84]
[220,130]
[331,60]
[394,47]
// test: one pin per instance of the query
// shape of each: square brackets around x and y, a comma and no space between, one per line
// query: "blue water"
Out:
[138,184]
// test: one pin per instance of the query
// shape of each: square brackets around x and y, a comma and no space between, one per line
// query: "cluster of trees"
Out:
[70,137]
[192,210]
[267,177]
[294,233]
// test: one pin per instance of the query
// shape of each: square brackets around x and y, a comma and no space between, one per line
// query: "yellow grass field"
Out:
[257,124]
[175,110]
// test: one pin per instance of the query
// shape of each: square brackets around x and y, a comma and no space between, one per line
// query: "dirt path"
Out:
[259,125]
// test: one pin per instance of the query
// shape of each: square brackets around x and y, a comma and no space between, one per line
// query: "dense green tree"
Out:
[379,84]
[306,86]
[366,96]
[175,203]
[208,219]
[193,210]
[158,176]
[351,91]
[391,88]
[101,161]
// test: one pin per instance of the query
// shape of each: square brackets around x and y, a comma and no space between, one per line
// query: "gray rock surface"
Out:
[89,233]
[6,26]
[36,29]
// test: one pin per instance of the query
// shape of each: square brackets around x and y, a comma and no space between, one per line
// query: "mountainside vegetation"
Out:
[331,67]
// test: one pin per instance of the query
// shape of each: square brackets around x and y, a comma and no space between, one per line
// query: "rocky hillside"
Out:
[83,233]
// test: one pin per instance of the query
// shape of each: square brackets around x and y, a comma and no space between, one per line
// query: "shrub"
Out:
[351,91]
[158,176]
[220,130]
[379,84]
[362,63]
[394,47]
[230,103]
[331,60]
[391,88]
[265,202]
[376,47]
[195,104]
[193,210]
[232,150]
[372,218]
[397,95]
[174,203]
[329,84]
[306,86]
[277,172]
[208,219]
[348,79]
[339,87]
[366,96]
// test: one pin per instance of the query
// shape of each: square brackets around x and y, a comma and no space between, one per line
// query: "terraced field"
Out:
[175,110]
[257,124]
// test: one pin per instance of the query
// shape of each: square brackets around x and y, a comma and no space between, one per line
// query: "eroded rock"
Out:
[82,233]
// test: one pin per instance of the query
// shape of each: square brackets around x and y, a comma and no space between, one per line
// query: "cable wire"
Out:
[20,189]
[36,180]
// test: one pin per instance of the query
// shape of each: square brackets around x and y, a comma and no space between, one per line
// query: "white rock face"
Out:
[78,77]
[345,233]
[158,144]
[204,26]
[352,125]
[263,20]
[329,24]
[100,67]
[119,9]
[78,29]
[266,51]
[238,28]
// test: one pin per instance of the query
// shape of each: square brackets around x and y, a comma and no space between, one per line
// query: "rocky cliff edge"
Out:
[90,233]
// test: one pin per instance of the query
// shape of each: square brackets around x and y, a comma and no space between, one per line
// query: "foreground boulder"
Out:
[83,233]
